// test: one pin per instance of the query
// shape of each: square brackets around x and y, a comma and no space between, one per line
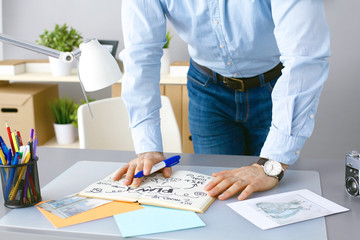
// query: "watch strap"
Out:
[262,161]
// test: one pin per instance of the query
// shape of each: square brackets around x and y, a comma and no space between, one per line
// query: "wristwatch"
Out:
[272,168]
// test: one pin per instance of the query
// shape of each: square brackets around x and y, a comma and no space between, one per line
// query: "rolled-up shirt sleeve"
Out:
[144,30]
[302,36]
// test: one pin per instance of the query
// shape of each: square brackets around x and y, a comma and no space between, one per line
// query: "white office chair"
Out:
[109,129]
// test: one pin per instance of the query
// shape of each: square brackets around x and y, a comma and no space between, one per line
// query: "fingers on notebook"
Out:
[148,164]
[143,163]
[120,172]
[218,185]
[167,172]
[130,174]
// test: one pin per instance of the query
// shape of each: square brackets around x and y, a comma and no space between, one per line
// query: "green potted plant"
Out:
[63,110]
[63,39]
[165,59]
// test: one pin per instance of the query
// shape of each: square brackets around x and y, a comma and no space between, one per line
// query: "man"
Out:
[257,70]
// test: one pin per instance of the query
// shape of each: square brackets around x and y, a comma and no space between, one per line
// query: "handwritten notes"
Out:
[183,190]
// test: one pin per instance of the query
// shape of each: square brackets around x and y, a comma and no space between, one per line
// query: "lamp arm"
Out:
[65,56]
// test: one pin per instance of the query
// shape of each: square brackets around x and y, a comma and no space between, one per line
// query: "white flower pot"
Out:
[59,67]
[165,61]
[65,133]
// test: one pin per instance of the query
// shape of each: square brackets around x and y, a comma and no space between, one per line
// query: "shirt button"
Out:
[228,63]
[297,152]
[236,75]
[216,21]
[311,116]
[221,46]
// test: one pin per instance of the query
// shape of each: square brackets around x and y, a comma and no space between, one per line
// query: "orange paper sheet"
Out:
[103,211]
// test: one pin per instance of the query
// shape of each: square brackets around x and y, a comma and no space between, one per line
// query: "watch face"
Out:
[272,168]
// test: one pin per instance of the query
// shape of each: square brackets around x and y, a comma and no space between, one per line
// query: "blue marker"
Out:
[9,157]
[3,147]
[5,152]
[166,163]
[12,173]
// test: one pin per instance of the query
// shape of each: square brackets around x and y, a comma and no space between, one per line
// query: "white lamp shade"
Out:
[97,67]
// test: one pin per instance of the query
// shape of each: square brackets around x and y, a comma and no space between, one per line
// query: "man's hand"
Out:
[248,179]
[143,162]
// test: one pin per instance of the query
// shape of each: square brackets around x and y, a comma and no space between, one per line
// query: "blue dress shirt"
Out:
[235,38]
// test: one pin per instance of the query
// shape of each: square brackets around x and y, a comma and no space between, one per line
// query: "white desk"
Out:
[222,222]
[53,161]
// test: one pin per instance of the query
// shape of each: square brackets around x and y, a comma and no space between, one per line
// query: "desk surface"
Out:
[54,161]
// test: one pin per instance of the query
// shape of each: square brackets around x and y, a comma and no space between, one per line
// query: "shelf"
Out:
[40,77]
[47,77]
[53,143]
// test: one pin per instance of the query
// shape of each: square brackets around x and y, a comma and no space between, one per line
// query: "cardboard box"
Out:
[25,106]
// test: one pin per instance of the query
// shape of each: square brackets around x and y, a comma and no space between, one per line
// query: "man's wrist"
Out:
[284,166]
[272,168]
[150,154]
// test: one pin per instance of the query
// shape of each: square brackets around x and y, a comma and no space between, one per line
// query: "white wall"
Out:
[28,19]
[338,118]
[337,126]
[1,29]
[93,18]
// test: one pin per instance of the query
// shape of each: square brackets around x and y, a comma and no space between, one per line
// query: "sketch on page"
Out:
[285,208]
[289,209]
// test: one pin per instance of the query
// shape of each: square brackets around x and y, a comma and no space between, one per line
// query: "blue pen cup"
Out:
[20,184]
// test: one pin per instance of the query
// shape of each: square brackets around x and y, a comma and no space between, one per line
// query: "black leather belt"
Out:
[243,84]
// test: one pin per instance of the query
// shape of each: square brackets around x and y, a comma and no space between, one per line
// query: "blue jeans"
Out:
[226,121]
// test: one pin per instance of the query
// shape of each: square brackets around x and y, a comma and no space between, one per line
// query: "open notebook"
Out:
[183,190]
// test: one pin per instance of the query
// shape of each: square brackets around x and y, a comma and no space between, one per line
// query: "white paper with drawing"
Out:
[285,208]
[183,190]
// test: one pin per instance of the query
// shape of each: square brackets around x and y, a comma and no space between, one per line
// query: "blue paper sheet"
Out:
[153,219]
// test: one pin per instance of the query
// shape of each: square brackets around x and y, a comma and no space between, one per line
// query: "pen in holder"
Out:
[20,184]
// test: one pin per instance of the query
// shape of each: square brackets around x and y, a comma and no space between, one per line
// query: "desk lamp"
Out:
[96,67]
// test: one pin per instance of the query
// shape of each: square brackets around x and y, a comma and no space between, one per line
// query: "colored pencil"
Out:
[20,140]
[10,137]
[16,146]
[22,172]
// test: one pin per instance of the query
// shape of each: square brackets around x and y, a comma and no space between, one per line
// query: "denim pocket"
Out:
[198,77]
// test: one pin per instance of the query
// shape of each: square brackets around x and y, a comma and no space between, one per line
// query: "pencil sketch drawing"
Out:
[282,209]
[289,209]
